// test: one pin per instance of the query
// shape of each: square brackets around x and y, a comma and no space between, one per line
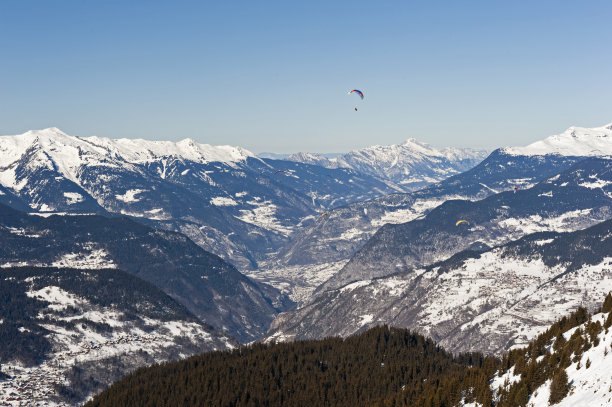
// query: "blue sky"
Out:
[273,75]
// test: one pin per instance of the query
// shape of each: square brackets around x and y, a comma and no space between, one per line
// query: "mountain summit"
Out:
[575,141]
[412,164]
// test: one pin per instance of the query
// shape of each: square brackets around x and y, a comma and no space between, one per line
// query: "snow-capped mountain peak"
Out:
[575,141]
[411,164]
[71,150]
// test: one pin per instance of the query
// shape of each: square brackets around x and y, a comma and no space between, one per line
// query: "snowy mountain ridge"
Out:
[72,151]
[129,150]
[228,201]
[412,163]
[575,141]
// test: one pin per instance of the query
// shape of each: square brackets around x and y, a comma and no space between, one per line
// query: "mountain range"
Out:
[224,198]
[316,252]
[412,164]
[478,253]
[389,277]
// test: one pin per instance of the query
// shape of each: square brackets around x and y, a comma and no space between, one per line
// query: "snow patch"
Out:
[130,195]
[73,197]
[223,201]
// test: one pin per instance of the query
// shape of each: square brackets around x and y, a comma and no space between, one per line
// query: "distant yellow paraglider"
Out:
[461,221]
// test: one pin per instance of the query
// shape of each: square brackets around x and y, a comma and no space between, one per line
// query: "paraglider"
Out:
[360,93]
[357,92]
[462,221]
[323,214]
[515,189]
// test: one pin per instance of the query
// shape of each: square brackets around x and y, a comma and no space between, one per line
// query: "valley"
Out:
[262,250]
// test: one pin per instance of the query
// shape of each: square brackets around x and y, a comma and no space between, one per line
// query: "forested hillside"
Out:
[383,367]
[357,371]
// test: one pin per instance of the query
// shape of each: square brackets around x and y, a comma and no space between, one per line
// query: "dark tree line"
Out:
[357,371]
[383,367]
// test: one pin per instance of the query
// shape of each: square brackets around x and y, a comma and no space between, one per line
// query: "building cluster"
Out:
[37,386]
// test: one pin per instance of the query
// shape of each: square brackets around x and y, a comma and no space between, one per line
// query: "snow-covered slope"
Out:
[575,141]
[576,198]
[209,287]
[487,301]
[70,152]
[589,386]
[412,164]
[224,198]
[568,365]
[67,334]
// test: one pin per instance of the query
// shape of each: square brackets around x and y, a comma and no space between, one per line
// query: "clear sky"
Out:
[274,75]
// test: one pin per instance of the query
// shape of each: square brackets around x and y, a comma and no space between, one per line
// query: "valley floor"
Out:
[298,282]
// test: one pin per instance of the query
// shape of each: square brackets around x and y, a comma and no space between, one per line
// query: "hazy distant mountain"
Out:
[273,156]
[412,164]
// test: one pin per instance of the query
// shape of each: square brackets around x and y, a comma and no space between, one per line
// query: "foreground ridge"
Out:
[388,367]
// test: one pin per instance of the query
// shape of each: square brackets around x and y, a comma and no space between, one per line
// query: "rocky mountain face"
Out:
[67,333]
[412,164]
[224,198]
[484,299]
[205,284]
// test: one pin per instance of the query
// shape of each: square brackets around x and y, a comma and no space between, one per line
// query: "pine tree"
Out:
[607,305]
[522,396]
[559,387]
[608,322]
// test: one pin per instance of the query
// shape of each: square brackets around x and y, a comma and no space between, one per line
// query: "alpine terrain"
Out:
[389,279]
[205,284]
[224,198]
[318,251]
[67,334]
[412,164]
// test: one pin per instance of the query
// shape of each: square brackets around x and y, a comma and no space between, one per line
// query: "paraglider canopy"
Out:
[462,221]
[357,91]
[323,214]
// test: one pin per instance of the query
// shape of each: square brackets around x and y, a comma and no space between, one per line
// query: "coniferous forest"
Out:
[383,367]
[360,370]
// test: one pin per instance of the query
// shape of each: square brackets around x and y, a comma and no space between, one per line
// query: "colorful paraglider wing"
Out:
[360,93]
[323,214]
[461,221]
